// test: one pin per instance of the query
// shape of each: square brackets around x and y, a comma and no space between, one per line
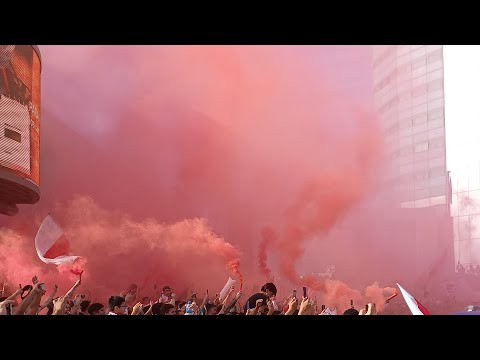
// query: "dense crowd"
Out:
[29,300]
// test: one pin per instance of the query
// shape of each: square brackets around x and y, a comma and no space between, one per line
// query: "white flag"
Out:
[227,287]
[51,245]
[413,304]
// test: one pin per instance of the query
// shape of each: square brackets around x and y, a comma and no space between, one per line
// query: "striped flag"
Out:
[413,304]
[51,244]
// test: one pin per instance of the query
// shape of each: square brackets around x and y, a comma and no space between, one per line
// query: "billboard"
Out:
[20,68]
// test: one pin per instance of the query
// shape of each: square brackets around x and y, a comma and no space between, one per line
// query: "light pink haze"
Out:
[164,163]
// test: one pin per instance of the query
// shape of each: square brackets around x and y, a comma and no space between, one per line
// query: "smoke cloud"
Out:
[164,163]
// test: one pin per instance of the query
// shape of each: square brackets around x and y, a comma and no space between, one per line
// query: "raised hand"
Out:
[239,294]
[271,307]
[305,306]
[130,297]
[59,305]
[292,306]
[137,308]
[4,304]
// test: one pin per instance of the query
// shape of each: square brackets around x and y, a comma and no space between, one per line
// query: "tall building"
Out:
[409,98]
[426,98]
[20,67]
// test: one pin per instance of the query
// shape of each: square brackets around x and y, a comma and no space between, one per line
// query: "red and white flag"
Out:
[51,244]
[413,304]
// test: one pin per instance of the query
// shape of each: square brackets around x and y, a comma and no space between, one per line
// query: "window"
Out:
[432,134]
[405,141]
[434,75]
[392,129]
[419,71]
[419,63]
[434,56]
[403,49]
[418,52]
[405,160]
[437,162]
[406,151]
[432,48]
[435,153]
[423,146]
[420,109]
[420,119]
[407,195]
[421,165]
[405,132]
[438,200]
[435,104]
[435,85]
[437,181]
[415,47]
[405,123]
[404,96]
[384,56]
[435,94]
[435,114]
[406,178]
[12,134]
[418,138]
[422,80]
[406,169]
[421,194]
[420,156]
[404,69]
[437,171]
[436,143]
[422,203]
[390,104]
[436,65]
[419,90]
[407,204]
[438,190]
[421,175]
[434,124]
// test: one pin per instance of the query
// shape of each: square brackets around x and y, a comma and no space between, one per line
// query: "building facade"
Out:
[409,99]
[425,96]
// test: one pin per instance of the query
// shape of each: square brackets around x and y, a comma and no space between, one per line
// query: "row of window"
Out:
[423,174]
[419,194]
[431,120]
[411,68]
[420,203]
[433,87]
[388,51]
[408,153]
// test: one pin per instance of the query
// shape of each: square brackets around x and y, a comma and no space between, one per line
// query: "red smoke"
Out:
[113,244]
[378,295]
[161,161]
[234,265]
[267,239]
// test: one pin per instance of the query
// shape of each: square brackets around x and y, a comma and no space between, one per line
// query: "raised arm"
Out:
[32,297]
[70,292]
[49,299]
[226,308]
[16,293]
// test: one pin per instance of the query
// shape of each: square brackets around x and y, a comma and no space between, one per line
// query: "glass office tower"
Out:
[427,100]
